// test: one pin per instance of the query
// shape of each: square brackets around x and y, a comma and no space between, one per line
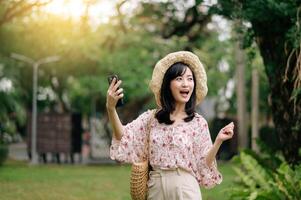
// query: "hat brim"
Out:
[187,58]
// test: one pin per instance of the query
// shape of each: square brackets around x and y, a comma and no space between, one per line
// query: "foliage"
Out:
[3,153]
[128,45]
[12,112]
[66,40]
[269,136]
[275,28]
[258,181]
[83,92]
[93,54]
[132,56]
[191,23]
[10,10]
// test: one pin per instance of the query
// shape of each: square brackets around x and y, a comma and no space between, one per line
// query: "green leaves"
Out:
[258,182]
[288,181]
[259,174]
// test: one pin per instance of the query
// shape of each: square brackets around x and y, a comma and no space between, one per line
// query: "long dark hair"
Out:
[168,101]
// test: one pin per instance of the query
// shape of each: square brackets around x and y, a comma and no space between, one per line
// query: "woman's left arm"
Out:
[224,134]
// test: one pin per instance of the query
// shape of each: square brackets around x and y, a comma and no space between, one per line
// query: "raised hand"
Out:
[114,94]
[226,133]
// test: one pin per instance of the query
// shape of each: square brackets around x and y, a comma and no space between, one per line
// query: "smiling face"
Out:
[182,86]
[178,86]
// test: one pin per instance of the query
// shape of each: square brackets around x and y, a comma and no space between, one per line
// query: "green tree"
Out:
[12,112]
[136,42]
[275,27]
[10,10]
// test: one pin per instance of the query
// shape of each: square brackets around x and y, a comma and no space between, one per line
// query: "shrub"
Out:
[258,181]
[270,137]
[3,153]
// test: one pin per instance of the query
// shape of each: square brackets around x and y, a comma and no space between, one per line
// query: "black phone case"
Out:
[110,79]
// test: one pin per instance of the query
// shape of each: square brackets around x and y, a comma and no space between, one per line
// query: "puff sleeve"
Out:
[208,176]
[132,146]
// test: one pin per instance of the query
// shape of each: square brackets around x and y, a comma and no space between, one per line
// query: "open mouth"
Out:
[184,92]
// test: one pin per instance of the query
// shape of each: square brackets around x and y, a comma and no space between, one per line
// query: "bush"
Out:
[270,137]
[3,153]
[258,181]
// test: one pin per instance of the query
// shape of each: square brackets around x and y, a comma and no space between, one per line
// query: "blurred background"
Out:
[56,55]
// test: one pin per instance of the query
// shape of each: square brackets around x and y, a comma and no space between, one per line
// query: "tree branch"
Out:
[192,18]
[18,8]
[120,15]
[12,8]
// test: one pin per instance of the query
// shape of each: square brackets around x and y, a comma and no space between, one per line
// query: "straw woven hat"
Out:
[187,58]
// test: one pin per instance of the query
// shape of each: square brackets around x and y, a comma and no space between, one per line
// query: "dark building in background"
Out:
[57,134]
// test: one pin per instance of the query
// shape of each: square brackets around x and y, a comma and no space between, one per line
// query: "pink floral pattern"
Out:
[183,145]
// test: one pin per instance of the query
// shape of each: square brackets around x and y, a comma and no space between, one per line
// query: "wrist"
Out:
[110,108]
[218,142]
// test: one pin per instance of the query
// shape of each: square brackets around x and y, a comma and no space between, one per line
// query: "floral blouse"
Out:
[183,145]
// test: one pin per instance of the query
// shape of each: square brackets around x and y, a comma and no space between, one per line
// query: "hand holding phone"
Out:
[110,79]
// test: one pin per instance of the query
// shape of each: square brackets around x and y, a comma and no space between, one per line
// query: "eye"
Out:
[179,78]
[190,79]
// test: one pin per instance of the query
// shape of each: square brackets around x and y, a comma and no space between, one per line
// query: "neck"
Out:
[179,110]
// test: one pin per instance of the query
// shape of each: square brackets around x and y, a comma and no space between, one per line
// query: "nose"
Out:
[184,83]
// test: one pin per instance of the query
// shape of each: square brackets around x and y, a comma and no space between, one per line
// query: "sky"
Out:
[98,13]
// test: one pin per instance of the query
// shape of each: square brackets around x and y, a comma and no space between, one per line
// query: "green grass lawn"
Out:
[219,191]
[19,181]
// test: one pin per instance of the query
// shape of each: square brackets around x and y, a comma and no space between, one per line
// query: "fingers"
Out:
[114,93]
[114,85]
[119,92]
[228,130]
[120,96]
[229,127]
[230,133]
[113,82]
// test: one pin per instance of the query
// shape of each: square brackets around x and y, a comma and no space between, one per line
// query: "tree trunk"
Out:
[255,100]
[241,94]
[275,51]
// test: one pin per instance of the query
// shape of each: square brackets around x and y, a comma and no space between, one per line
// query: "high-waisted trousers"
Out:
[173,184]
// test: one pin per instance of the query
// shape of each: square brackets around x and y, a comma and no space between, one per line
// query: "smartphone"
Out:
[110,79]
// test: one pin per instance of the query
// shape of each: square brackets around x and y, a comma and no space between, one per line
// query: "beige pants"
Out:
[173,184]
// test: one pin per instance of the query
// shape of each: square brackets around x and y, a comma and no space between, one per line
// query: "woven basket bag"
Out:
[139,173]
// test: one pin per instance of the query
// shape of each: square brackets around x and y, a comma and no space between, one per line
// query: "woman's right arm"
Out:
[113,95]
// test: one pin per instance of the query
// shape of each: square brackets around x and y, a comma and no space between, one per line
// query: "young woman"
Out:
[180,151]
